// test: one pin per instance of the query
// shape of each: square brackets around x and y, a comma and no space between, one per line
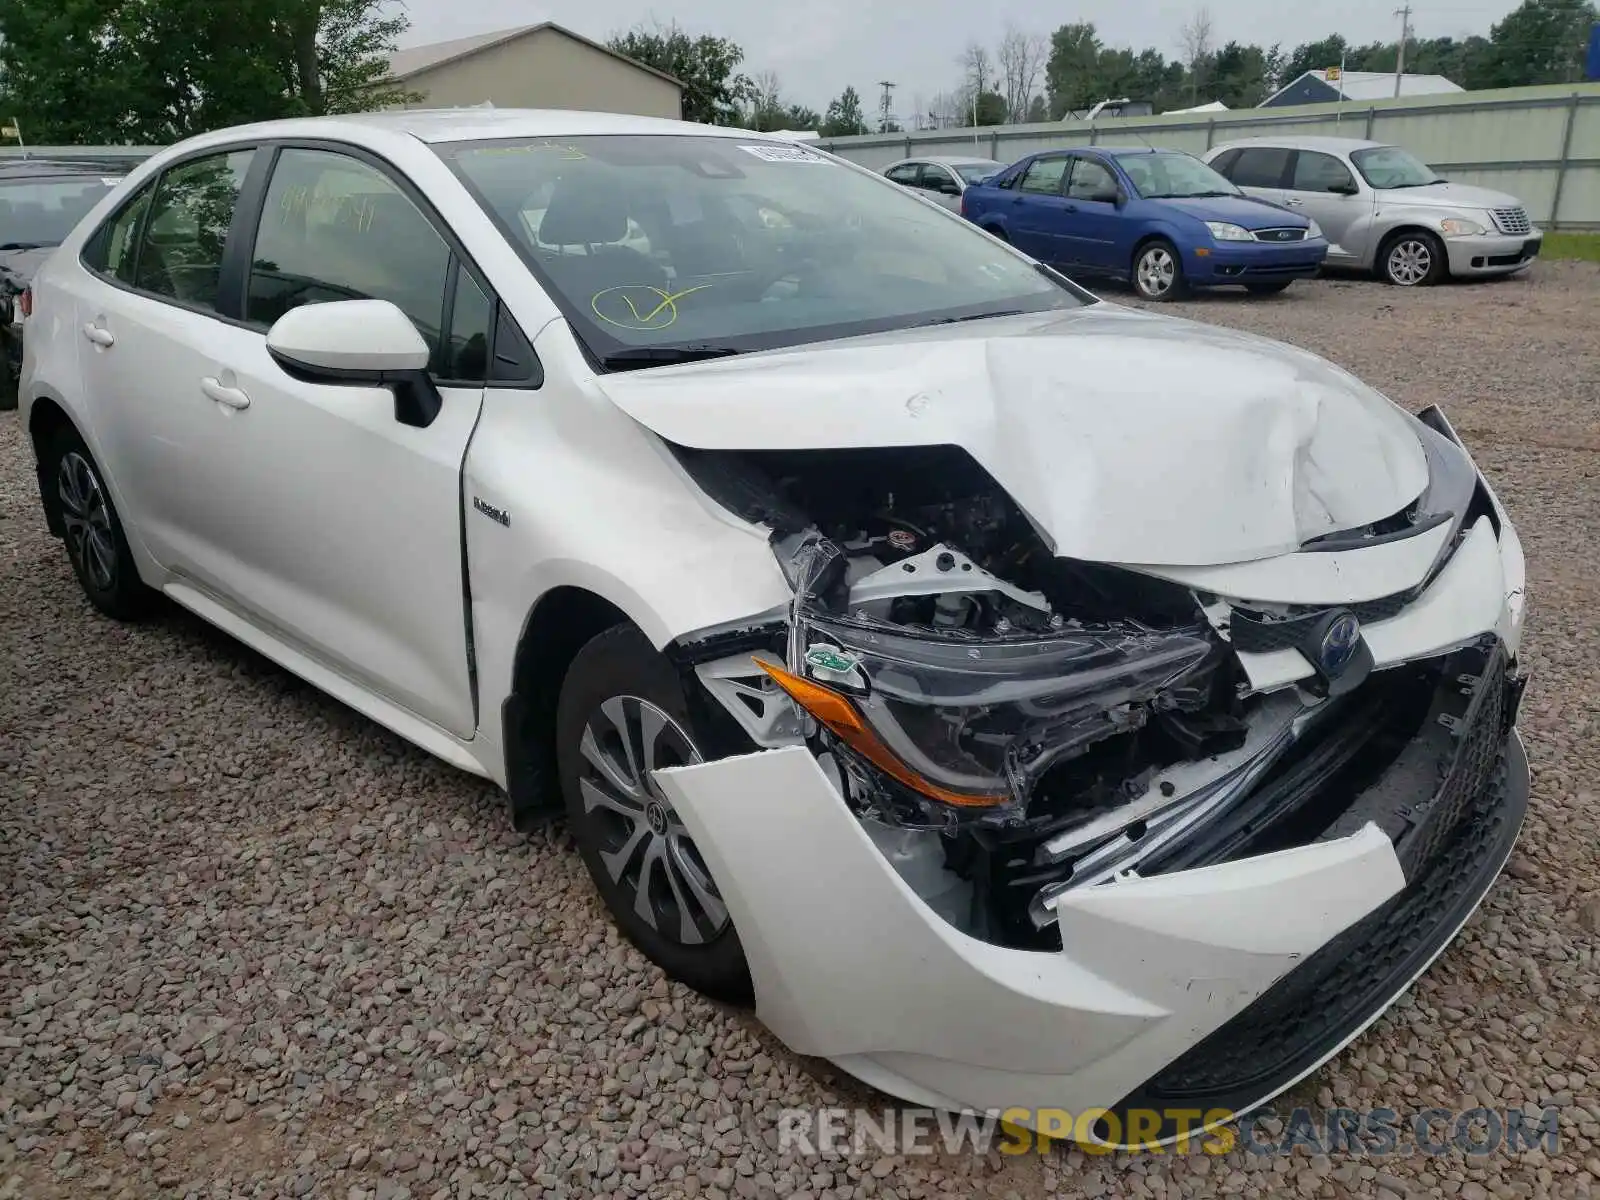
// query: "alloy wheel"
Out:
[1410,261]
[87,519]
[644,847]
[1157,271]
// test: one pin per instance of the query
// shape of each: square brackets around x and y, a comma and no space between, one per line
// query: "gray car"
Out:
[942,178]
[1383,209]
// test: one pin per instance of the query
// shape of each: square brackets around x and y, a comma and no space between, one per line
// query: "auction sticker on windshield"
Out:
[783,154]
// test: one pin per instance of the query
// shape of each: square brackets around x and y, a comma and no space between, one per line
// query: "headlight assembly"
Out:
[1226,231]
[1315,231]
[1461,227]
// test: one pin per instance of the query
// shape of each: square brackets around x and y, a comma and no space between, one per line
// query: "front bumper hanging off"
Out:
[1210,987]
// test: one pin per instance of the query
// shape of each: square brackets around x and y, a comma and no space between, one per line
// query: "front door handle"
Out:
[231,396]
[1293,203]
[98,335]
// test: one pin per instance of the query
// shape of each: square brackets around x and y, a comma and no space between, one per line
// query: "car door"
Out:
[1036,208]
[1093,231]
[1323,188]
[150,313]
[1261,171]
[347,522]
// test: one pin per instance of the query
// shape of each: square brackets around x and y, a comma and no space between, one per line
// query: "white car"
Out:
[1031,703]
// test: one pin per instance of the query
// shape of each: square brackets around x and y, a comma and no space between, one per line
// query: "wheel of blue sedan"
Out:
[1158,272]
[622,717]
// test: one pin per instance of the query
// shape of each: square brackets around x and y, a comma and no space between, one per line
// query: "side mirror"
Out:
[367,343]
[1109,196]
[1345,189]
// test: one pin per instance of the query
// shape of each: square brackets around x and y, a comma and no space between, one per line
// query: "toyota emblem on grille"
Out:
[1339,644]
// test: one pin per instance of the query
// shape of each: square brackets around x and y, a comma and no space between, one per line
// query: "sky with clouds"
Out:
[817,47]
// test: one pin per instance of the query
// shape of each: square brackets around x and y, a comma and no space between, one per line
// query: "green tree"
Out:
[715,91]
[1315,56]
[1238,76]
[1542,41]
[844,117]
[1038,110]
[991,108]
[1072,72]
[155,71]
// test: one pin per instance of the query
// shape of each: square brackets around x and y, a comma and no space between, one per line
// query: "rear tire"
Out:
[1158,272]
[1267,289]
[96,544]
[1413,260]
[621,715]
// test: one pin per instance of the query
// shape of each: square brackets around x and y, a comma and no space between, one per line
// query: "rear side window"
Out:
[1222,164]
[335,228]
[1261,166]
[186,229]
[1043,176]
[112,249]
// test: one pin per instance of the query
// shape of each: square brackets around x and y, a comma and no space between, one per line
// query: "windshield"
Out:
[1169,175]
[41,212]
[1392,167]
[975,171]
[664,247]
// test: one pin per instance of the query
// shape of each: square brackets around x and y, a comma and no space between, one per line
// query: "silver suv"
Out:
[1383,209]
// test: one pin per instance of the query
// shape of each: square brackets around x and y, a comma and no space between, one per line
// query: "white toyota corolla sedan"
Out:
[1032,704]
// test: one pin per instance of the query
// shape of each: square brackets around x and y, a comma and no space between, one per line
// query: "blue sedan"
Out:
[1160,218]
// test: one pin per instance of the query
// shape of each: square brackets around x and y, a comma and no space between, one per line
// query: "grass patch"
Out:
[1582,246]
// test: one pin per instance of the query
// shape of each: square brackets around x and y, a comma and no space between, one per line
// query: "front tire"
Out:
[621,716]
[1158,272]
[96,544]
[1413,260]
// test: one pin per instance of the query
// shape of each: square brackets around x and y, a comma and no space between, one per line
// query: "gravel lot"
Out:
[252,944]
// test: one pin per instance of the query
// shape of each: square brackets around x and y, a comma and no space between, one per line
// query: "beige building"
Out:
[534,66]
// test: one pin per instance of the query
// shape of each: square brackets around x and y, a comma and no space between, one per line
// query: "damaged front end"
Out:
[1009,724]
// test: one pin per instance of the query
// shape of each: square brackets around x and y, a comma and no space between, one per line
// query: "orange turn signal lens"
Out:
[841,717]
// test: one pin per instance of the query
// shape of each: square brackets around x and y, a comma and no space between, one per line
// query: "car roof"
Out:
[943,160]
[475,124]
[1334,145]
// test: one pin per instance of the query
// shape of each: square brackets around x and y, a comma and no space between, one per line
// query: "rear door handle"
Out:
[231,396]
[98,335]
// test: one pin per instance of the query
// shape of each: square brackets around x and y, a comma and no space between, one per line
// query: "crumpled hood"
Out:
[1450,195]
[1125,437]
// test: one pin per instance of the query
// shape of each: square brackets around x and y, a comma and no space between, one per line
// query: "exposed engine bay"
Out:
[1007,723]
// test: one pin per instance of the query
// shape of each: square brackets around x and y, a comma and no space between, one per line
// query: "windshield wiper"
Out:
[26,245]
[983,316]
[651,356]
[1415,183]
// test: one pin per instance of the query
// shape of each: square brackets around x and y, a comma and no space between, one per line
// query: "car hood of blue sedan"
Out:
[1240,210]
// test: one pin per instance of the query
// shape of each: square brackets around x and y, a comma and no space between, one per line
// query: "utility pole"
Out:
[1405,35]
[884,107]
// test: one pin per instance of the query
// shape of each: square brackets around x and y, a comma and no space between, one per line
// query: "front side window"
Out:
[465,354]
[712,245]
[1169,175]
[180,254]
[1043,176]
[905,173]
[1091,181]
[335,228]
[41,212]
[1314,172]
[1261,166]
[1392,167]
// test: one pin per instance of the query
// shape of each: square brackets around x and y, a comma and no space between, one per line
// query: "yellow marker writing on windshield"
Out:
[648,307]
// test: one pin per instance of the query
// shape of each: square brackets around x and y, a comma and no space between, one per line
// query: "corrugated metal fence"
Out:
[1540,144]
